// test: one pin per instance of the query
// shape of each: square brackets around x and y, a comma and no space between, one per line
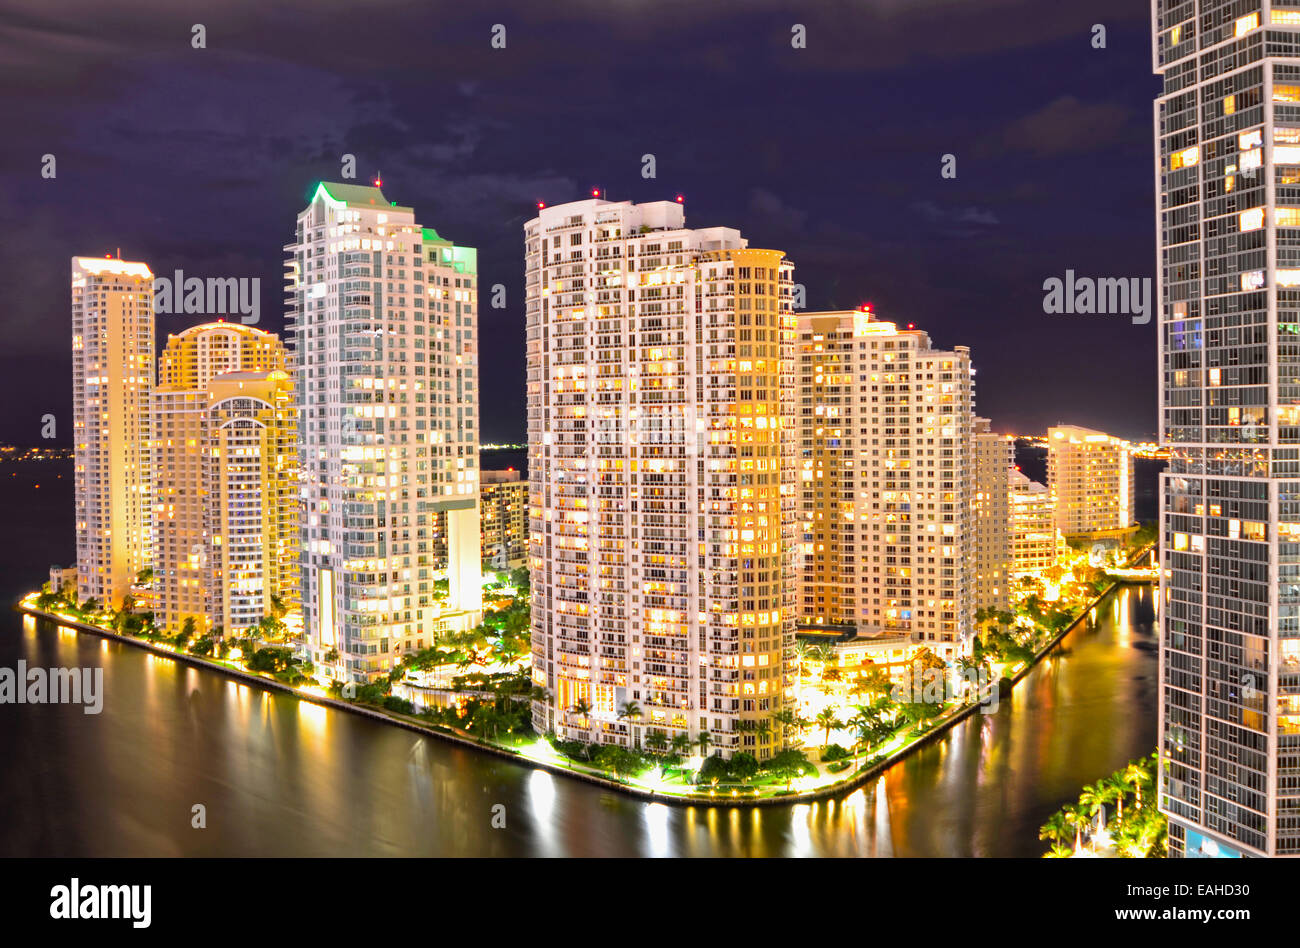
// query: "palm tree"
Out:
[681,744]
[583,710]
[865,727]
[629,712]
[1136,776]
[1093,797]
[1058,851]
[826,718]
[1118,790]
[1055,828]
[1077,817]
[802,651]
[704,740]
[656,740]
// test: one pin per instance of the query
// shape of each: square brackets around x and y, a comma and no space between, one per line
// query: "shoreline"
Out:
[850,783]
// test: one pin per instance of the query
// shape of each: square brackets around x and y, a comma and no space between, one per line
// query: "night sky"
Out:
[199,159]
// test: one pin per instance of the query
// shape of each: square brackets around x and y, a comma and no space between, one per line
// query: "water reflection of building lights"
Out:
[656,826]
[541,801]
[313,717]
[801,830]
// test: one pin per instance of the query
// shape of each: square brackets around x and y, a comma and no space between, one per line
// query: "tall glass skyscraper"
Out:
[1227,127]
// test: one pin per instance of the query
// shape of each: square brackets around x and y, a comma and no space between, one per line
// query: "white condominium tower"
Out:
[1227,129]
[662,491]
[383,316]
[886,429]
[112,372]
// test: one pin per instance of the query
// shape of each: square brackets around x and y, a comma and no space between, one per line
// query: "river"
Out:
[281,777]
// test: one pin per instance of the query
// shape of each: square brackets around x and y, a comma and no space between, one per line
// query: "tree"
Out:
[583,710]
[743,766]
[1055,828]
[629,712]
[682,743]
[704,740]
[788,765]
[1077,817]
[802,651]
[827,720]
[656,740]
[1118,790]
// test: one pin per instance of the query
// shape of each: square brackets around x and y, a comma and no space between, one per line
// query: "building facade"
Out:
[661,477]
[1091,474]
[112,372]
[1033,525]
[504,519]
[1227,130]
[184,524]
[383,319]
[887,480]
[995,458]
[251,505]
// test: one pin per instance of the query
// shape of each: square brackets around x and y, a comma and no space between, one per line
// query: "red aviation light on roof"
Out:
[680,199]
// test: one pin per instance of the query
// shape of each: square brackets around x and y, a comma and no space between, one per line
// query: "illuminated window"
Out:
[1286,154]
[1288,277]
[1253,280]
[1247,23]
[1175,35]
[1286,93]
[1229,104]
[1252,159]
[1252,219]
[1185,158]
[1285,17]
[1251,139]
[1287,217]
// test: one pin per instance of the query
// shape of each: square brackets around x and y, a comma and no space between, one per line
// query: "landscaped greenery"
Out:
[1136,830]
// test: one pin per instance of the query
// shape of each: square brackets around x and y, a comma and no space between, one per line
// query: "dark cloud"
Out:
[200,159]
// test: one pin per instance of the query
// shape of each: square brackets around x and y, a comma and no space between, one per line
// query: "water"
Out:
[282,777]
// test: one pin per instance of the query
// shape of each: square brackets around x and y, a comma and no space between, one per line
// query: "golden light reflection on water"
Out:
[310,780]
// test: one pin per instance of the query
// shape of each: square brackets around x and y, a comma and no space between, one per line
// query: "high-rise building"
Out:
[995,458]
[1033,525]
[112,372]
[504,519]
[1091,475]
[888,483]
[383,314]
[186,524]
[1227,130]
[250,486]
[661,476]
